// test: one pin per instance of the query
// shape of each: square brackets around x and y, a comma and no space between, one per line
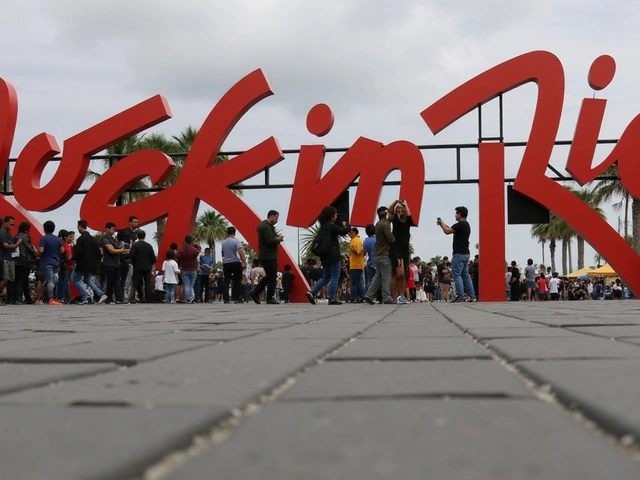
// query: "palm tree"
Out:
[249,252]
[606,190]
[210,227]
[547,232]
[306,239]
[123,148]
[435,260]
[590,198]
[598,259]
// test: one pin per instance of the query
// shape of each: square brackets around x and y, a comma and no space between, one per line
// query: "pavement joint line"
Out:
[225,427]
[410,359]
[444,396]
[551,359]
[68,361]
[592,418]
[69,378]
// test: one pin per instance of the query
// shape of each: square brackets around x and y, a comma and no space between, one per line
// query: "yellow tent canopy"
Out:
[604,271]
[581,272]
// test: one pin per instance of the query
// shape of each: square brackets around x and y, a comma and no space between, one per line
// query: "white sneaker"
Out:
[401,300]
[103,299]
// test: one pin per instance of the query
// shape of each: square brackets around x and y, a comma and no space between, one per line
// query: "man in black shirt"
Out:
[128,237]
[399,253]
[460,258]
[142,258]
[515,282]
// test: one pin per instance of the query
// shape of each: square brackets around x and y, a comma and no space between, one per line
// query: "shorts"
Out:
[9,270]
[530,284]
[394,256]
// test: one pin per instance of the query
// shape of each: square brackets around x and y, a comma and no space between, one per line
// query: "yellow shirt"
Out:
[356,261]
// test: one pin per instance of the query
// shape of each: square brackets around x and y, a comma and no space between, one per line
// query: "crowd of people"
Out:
[380,267]
[541,284]
[121,267]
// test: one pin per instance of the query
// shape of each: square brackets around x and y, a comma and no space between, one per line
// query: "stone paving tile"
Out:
[316,330]
[93,443]
[620,331]
[413,439]
[203,335]
[607,389]
[7,335]
[466,317]
[15,376]
[412,331]
[412,348]
[68,339]
[563,348]
[228,375]
[119,351]
[388,379]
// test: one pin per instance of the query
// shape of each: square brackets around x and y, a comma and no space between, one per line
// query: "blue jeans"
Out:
[330,275]
[50,279]
[64,291]
[460,267]
[171,292]
[189,280]
[382,279]
[369,273]
[88,281]
[357,283]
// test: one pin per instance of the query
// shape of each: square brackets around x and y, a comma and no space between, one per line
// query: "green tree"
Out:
[210,227]
[306,239]
[589,198]
[435,260]
[125,147]
[607,190]
[547,232]
[249,252]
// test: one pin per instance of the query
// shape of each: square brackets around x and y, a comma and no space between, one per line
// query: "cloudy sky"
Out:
[377,63]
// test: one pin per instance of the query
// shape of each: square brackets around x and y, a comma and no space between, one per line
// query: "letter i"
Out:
[585,138]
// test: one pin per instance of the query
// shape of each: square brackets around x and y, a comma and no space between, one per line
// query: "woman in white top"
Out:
[170,271]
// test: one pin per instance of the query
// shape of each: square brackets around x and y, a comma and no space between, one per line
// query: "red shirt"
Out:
[67,263]
[188,258]
[411,281]
[542,285]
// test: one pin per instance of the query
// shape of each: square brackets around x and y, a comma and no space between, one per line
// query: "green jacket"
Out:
[267,241]
[384,238]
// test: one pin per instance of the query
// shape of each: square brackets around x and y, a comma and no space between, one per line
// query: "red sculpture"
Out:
[546,70]
[367,160]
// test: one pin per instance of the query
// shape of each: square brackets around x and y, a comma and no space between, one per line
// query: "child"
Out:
[158,294]
[170,271]
[411,285]
[287,280]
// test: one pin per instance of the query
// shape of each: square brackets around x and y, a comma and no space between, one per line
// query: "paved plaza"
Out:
[512,391]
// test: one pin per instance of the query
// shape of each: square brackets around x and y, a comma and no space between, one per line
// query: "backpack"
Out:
[321,244]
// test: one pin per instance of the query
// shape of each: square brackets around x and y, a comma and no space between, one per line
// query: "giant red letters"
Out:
[367,161]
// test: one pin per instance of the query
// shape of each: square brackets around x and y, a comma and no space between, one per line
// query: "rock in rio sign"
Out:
[368,160]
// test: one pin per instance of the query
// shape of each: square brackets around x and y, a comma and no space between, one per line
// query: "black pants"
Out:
[22,283]
[233,276]
[204,285]
[515,291]
[269,280]
[113,283]
[137,279]
[124,273]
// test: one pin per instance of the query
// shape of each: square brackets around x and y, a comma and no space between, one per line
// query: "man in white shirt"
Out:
[553,287]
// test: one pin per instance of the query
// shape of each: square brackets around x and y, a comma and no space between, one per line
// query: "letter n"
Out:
[367,159]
